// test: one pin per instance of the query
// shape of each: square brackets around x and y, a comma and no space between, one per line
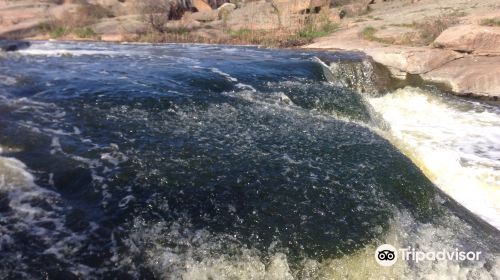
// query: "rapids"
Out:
[180,161]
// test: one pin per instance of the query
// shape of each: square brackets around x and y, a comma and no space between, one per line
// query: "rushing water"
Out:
[212,162]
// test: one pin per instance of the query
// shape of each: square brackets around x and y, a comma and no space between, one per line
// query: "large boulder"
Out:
[472,75]
[356,8]
[225,9]
[470,38]
[254,16]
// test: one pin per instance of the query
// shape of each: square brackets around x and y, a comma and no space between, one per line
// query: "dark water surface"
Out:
[203,162]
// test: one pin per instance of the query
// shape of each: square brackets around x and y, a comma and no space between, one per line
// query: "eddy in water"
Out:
[209,162]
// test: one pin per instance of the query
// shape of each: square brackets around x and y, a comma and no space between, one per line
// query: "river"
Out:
[219,162]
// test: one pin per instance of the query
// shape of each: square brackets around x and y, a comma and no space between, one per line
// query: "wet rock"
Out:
[361,74]
[10,45]
[4,202]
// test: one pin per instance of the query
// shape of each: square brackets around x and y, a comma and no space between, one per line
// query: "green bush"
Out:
[85,32]
[368,33]
[239,32]
[58,32]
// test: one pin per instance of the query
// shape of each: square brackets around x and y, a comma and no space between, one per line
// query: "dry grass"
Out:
[368,33]
[77,23]
[490,22]
[425,32]
[432,27]
[304,32]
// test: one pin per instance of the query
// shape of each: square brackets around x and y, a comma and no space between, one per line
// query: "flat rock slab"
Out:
[413,60]
[471,39]
[472,75]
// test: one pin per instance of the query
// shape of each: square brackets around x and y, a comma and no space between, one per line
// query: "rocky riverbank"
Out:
[464,58]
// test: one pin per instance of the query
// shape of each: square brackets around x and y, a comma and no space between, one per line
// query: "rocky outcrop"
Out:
[10,45]
[459,73]
[472,75]
[254,16]
[471,39]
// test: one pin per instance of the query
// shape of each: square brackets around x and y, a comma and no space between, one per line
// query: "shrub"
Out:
[368,32]
[58,32]
[85,15]
[85,32]
[431,28]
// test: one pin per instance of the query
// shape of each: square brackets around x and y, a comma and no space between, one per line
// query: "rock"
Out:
[201,6]
[355,9]
[186,23]
[477,76]
[471,39]
[225,10]
[359,73]
[254,16]
[206,16]
[227,6]
[10,45]
[298,6]
[412,60]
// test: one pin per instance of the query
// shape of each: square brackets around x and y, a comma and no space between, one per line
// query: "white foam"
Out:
[26,216]
[456,143]
[176,252]
[66,52]
[7,80]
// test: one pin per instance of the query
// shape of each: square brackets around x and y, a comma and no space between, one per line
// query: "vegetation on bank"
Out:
[157,18]
[77,24]
[310,27]
[423,34]
[491,22]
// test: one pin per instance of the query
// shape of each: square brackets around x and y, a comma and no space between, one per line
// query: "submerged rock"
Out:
[10,45]
[361,74]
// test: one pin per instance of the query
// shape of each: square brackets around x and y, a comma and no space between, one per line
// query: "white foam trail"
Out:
[63,52]
[230,78]
[199,254]
[456,143]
